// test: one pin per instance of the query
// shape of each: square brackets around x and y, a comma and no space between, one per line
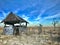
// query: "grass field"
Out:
[44,38]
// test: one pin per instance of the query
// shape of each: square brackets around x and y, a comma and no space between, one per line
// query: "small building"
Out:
[14,24]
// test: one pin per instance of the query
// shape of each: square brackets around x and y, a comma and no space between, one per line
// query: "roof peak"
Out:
[12,18]
[11,13]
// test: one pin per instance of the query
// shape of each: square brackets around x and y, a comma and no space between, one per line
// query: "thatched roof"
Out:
[12,19]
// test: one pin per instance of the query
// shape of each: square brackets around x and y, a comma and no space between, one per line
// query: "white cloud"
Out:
[31,23]
[4,14]
[53,16]
[16,11]
[39,16]
[42,11]
[39,20]
[1,17]
[25,17]
[33,11]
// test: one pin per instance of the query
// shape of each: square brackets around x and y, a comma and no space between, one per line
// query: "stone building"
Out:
[14,24]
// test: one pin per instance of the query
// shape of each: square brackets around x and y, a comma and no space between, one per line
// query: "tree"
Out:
[54,23]
[57,38]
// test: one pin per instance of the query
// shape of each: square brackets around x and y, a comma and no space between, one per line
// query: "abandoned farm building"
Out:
[16,24]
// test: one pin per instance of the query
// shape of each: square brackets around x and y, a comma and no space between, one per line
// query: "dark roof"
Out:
[12,18]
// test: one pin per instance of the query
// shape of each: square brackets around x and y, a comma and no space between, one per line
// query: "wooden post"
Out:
[4,25]
[13,29]
[20,24]
[13,25]
[26,24]
[4,29]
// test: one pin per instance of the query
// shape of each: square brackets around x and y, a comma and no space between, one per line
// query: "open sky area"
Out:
[34,11]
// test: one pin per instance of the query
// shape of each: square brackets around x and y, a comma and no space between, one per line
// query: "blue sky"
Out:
[34,11]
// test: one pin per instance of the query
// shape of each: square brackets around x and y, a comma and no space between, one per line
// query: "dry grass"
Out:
[28,38]
[24,39]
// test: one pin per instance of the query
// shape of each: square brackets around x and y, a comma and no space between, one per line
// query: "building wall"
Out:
[8,30]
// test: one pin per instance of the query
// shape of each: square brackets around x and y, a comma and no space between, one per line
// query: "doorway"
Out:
[17,31]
